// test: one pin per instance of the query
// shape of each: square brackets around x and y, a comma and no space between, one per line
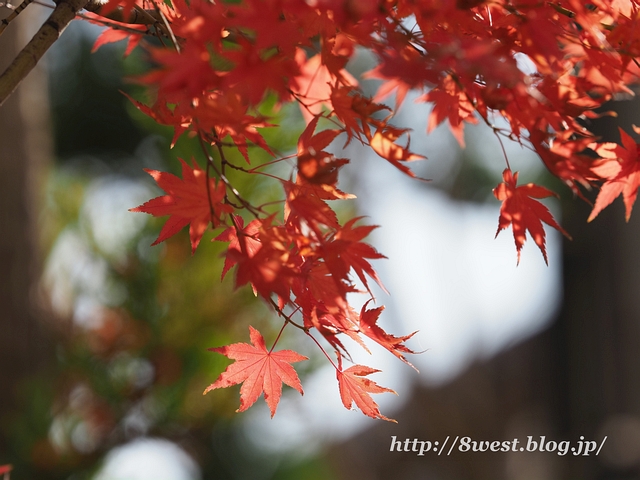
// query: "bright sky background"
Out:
[447,277]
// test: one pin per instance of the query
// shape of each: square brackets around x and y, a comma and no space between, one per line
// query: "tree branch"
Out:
[49,32]
[4,23]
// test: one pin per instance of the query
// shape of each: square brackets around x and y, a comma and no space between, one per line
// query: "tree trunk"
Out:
[24,151]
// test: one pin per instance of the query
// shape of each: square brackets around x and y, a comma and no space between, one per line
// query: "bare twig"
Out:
[4,23]
[49,32]
[168,27]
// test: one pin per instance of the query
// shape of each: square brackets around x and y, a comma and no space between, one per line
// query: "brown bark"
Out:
[26,60]
[24,149]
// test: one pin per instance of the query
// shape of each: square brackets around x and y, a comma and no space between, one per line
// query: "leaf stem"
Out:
[504,152]
[278,337]
[210,165]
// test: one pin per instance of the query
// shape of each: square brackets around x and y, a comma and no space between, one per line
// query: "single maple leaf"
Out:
[622,175]
[111,5]
[248,235]
[229,115]
[346,252]
[313,85]
[112,35]
[268,270]
[368,326]
[388,86]
[330,326]
[384,144]
[189,202]
[452,104]
[260,370]
[303,203]
[523,213]
[314,164]
[318,286]
[355,388]
[355,111]
[564,160]
[163,115]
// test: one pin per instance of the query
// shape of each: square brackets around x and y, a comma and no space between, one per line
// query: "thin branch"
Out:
[504,151]
[168,27]
[245,204]
[4,23]
[287,318]
[46,36]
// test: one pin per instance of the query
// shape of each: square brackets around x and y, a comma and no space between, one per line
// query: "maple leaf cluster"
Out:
[225,58]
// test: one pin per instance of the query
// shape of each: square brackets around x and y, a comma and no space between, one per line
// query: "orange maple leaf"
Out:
[622,174]
[189,202]
[260,370]
[383,143]
[524,213]
[313,85]
[355,388]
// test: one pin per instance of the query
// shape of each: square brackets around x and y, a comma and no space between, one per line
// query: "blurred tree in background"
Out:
[117,361]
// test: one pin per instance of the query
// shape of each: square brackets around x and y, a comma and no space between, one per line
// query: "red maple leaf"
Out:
[163,115]
[303,203]
[314,164]
[268,270]
[622,172]
[346,252]
[260,370]
[383,143]
[112,35]
[452,104]
[368,326]
[355,388]
[189,202]
[522,212]
[111,5]
[248,236]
